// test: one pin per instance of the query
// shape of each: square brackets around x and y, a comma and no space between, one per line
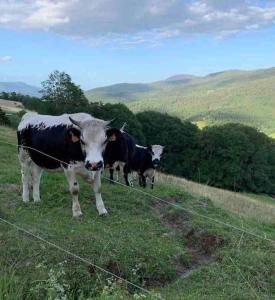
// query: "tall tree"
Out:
[62,95]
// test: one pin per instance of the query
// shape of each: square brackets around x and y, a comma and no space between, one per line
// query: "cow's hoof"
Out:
[37,200]
[103,213]
[77,214]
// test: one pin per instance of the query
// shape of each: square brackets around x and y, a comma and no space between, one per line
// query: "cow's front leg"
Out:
[97,191]
[25,172]
[126,173]
[152,182]
[74,190]
[36,176]
[111,174]
[117,173]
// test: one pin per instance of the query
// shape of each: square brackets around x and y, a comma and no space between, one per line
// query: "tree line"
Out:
[231,156]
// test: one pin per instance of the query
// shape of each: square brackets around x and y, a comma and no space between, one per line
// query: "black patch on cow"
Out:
[55,141]
[123,149]
[142,160]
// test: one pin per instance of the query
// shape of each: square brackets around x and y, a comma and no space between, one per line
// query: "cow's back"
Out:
[50,135]
[141,160]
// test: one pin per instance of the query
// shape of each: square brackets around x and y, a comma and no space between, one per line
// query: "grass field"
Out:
[168,251]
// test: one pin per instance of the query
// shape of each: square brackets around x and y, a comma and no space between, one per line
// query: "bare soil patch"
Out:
[200,245]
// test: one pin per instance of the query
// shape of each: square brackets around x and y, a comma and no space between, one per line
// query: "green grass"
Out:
[262,197]
[148,243]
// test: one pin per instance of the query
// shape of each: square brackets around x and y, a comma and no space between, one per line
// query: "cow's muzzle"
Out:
[94,166]
[156,163]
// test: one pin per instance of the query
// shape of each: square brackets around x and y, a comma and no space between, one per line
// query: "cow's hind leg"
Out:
[143,178]
[126,174]
[140,180]
[36,176]
[74,190]
[97,190]
[25,173]
[130,179]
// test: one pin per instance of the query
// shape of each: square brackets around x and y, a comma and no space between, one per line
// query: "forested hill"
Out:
[231,96]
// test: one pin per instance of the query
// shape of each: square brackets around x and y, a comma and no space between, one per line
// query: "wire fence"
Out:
[80,258]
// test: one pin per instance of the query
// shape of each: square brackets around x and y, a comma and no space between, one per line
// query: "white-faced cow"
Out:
[145,162]
[77,140]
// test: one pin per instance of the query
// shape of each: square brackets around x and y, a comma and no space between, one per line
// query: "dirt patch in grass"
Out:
[10,187]
[200,245]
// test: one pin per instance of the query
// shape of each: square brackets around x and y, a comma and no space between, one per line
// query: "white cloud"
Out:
[5,58]
[137,22]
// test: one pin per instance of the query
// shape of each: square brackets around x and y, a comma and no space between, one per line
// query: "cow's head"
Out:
[156,151]
[93,140]
[113,134]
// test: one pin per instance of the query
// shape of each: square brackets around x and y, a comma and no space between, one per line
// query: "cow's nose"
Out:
[88,165]
[156,163]
[94,166]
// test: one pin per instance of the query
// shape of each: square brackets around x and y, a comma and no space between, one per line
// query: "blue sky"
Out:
[102,42]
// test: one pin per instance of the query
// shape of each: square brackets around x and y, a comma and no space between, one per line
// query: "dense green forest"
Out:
[231,156]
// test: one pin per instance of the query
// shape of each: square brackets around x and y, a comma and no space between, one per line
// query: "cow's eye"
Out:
[105,142]
[82,142]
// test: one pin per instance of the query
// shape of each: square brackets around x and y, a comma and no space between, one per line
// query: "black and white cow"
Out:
[119,151]
[75,139]
[145,162]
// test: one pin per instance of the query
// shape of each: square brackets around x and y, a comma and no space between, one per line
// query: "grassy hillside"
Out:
[171,252]
[232,96]
[11,106]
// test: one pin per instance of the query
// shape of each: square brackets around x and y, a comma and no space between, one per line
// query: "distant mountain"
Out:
[119,92]
[229,96]
[182,78]
[19,87]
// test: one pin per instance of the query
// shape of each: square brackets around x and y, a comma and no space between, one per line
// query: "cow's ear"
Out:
[74,134]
